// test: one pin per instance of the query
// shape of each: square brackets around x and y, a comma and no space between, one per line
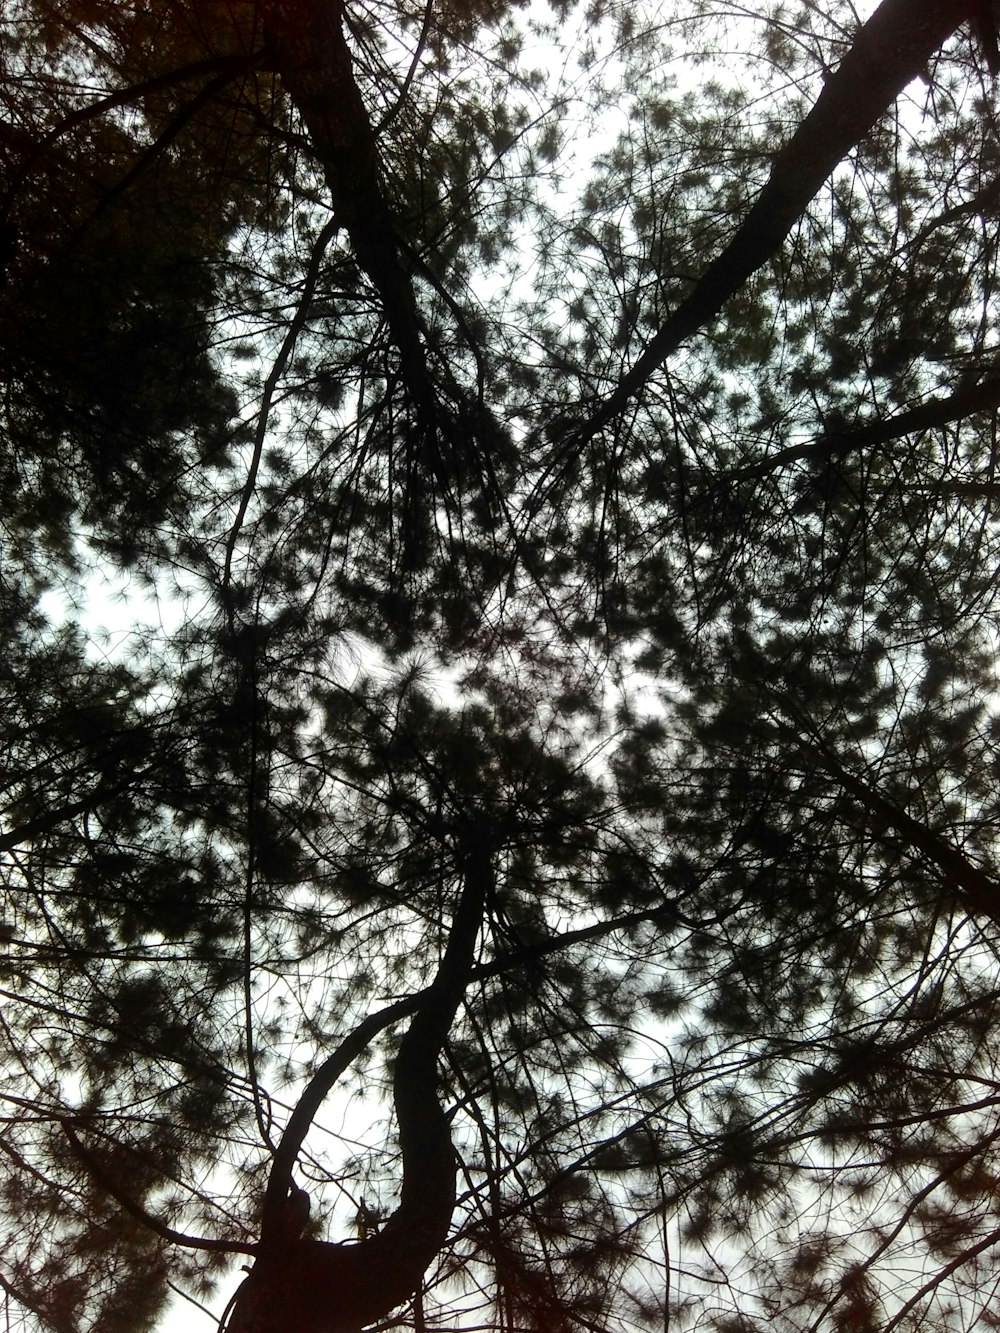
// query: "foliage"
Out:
[568,432]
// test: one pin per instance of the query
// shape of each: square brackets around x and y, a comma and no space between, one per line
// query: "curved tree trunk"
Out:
[310,1286]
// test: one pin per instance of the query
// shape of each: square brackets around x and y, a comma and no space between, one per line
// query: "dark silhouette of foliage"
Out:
[519,848]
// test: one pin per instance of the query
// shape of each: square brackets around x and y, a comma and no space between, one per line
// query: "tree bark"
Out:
[311,1286]
[309,52]
[965,401]
[892,48]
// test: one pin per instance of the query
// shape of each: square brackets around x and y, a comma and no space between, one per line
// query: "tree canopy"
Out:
[530,861]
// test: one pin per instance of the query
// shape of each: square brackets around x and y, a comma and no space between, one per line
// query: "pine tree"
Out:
[542,871]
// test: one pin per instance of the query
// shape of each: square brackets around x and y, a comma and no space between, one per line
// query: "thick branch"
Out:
[892,48]
[964,402]
[50,820]
[228,66]
[319,1287]
[453,975]
[27,1300]
[972,887]
[56,815]
[324,1079]
[310,54]
[976,891]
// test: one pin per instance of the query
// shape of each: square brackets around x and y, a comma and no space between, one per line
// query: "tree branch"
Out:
[311,57]
[892,48]
[141,1214]
[965,401]
[972,887]
[323,1080]
[228,66]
